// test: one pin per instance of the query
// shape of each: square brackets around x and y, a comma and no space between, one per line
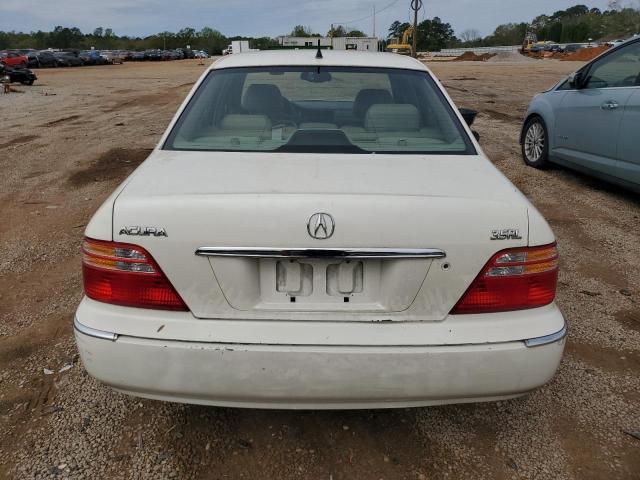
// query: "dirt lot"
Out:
[66,143]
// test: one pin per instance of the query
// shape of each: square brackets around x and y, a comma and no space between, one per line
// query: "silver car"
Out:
[591,120]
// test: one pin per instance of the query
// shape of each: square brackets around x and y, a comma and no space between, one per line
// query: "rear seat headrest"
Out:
[368,97]
[262,98]
[392,118]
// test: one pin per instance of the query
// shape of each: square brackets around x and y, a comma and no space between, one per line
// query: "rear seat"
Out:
[235,129]
[363,101]
[245,126]
[392,118]
[386,118]
[392,124]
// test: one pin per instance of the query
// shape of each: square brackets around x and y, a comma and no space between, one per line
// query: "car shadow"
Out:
[580,179]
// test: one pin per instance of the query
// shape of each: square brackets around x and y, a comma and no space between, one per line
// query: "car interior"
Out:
[618,70]
[341,111]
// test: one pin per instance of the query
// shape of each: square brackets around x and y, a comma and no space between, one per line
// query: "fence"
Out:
[456,52]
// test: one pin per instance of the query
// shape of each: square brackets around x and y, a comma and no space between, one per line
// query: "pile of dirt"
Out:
[507,57]
[559,55]
[472,57]
[585,54]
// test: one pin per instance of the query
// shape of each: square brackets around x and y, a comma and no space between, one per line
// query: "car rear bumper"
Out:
[317,377]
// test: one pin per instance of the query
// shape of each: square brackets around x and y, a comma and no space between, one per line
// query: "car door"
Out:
[589,118]
[16,59]
[628,142]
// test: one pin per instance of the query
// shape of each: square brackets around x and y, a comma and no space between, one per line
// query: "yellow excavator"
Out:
[405,47]
[530,44]
[529,41]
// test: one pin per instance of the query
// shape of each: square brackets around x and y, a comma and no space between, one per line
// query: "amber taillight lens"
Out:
[125,274]
[514,279]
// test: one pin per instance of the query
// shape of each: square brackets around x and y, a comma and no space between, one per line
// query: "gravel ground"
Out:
[66,143]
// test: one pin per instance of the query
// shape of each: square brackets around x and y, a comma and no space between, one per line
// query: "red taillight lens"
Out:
[514,279]
[125,274]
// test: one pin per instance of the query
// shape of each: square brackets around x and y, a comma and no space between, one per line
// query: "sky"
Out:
[265,17]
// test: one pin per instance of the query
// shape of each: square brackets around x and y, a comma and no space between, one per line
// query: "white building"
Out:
[337,43]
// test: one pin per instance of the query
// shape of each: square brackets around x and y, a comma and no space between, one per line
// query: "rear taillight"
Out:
[125,274]
[514,279]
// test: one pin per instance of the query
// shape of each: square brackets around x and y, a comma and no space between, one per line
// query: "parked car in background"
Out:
[13,59]
[138,56]
[187,53]
[32,59]
[68,59]
[153,55]
[93,57]
[46,58]
[591,120]
[112,56]
[18,74]
[107,55]
[614,43]
[573,47]
[126,54]
[319,233]
[168,55]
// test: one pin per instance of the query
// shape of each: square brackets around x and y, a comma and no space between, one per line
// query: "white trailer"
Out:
[239,46]
[363,44]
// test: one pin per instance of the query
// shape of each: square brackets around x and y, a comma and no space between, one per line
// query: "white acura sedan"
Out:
[319,230]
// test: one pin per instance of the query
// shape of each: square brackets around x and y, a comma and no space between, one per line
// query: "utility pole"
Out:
[416,5]
[331,36]
[374,21]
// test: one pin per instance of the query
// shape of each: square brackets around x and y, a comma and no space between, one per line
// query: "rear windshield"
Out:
[319,109]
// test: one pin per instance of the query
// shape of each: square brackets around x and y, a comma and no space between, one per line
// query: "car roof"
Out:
[307,57]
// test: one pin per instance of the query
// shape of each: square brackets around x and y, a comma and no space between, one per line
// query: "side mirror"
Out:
[576,80]
[468,115]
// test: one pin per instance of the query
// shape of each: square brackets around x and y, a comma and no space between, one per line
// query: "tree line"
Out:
[575,24]
[208,39]
[337,31]
[432,34]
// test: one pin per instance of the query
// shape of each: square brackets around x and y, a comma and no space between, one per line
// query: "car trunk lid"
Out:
[234,200]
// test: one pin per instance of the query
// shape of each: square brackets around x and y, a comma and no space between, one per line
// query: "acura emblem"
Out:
[321,226]
[144,231]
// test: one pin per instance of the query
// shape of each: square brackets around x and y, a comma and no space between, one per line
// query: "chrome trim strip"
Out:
[364,253]
[547,339]
[92,332]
